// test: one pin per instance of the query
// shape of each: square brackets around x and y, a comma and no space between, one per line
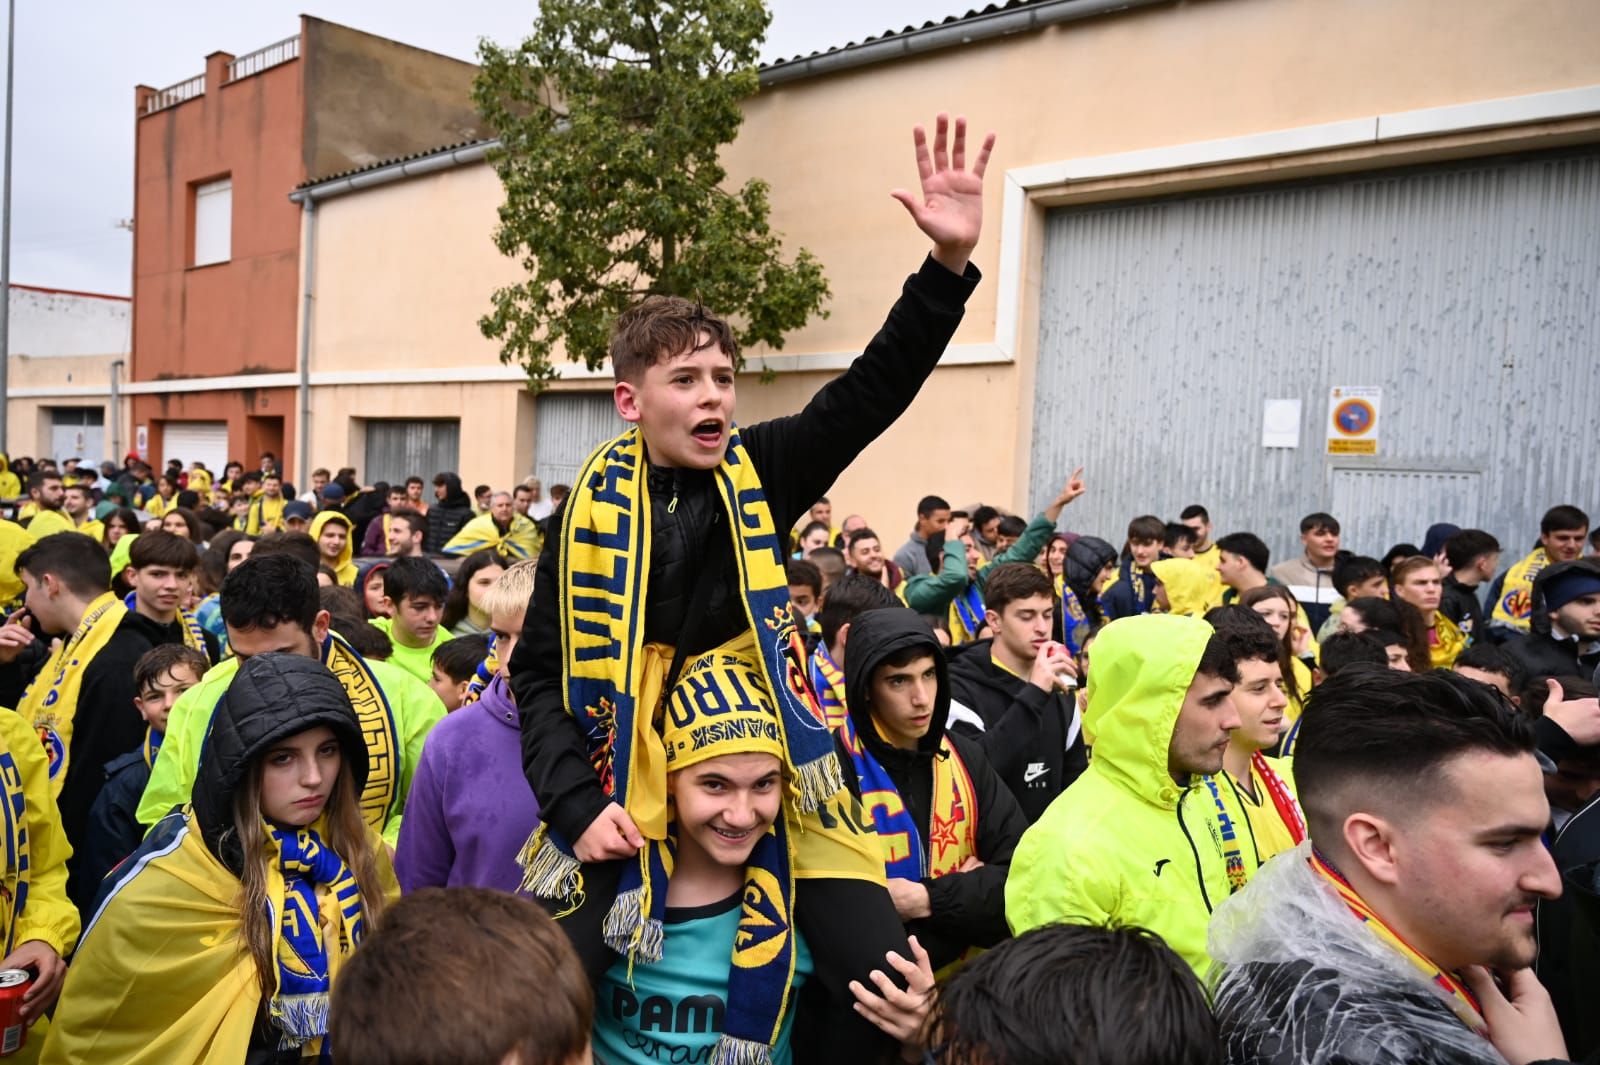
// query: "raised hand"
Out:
[950,209]
[1069,491]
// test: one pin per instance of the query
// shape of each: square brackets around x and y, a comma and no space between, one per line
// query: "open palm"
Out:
[950,208]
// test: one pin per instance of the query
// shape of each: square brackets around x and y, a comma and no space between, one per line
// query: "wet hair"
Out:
[458,604]
[1381,734]
[458,658]
[163,549]
[265,591]
[1147,528]
[1489,658]
[1079,994]
[1319,522]
[164,659]
[1467,546]
[1354,570]
[1247,546]
[75,560]
[415,578]
[1195,510]
[1345,649]
[800,573]
[931,505]
[1011,581]
[848,596]
[1561,519]
[298,544]
[659,328]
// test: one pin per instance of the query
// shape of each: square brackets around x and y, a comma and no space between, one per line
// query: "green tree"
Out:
[610,116]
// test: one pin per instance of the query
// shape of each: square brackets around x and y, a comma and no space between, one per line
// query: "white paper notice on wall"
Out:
[1280,423]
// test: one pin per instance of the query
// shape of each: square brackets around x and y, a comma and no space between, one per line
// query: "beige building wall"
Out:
[39,385]
[405,270]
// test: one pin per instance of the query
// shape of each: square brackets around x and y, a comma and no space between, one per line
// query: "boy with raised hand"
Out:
[415,590]
[670,545]
[947,824]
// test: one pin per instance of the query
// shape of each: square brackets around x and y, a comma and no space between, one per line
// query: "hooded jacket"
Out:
[344,569]
[1086,557]
[1032,738]
[1125,844]
[446,517]
[1191,588]
[10,483]
[1539,651]
[968,909]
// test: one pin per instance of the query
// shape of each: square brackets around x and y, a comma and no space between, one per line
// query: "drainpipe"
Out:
[116,411]
[308,208]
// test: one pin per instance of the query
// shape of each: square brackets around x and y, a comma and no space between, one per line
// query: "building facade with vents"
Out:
[1196,207]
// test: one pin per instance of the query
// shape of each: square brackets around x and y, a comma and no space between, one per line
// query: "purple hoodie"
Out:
[470,809]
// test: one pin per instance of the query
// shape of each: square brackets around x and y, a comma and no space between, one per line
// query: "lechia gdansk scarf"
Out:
[51,702]
[612,684]
[1460,999]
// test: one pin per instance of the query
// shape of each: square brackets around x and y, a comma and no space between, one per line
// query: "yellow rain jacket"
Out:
[1191,588]
[344,568]
[1124,844]
[14,540]
[10,483]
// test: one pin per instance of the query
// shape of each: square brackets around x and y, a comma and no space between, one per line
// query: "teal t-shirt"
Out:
[673,1010]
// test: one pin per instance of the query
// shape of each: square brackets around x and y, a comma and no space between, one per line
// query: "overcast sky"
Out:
[77,64]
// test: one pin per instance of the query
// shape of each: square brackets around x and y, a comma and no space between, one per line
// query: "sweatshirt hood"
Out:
[1189,585]
[321,521]
[271,698]
[875,636]
[1086,557]
[455,497]
[1142,669]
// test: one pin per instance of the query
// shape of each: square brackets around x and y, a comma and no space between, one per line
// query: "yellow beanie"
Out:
[720,706]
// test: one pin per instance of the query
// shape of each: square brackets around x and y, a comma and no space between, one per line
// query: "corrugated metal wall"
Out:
[568,426]
[1469,293]
[399,448]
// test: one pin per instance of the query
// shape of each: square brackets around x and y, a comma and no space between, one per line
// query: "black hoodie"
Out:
[1034,738]
[448,515]
[1539,652]
[968,909]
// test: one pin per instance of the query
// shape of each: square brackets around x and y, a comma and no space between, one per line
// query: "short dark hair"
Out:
[1076,993]
[1146,528]
[396,489]
[828,560]
[338,599]
[265,591]
[1177,533]
[77,561]
[495,963]
[481,489]
[1353,570]
[848,596]
[1195,510]
[1370,732]
[1467,546]
[1011,581]
[164,549]
[1218,659]
[368,640]
[1247,546]
[164,658]
[528,488]
[416,578]
[459,658]
[298,544]
[930,504]
[983,516]
[1319,522]
[658,328]
[861,535]
[1249,635]
[1491,658]
[1562,518]
[800,573]
[413,519]
[1011,525]
[1345,649]
[414,480]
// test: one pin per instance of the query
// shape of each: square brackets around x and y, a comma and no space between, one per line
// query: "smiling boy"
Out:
[669,546]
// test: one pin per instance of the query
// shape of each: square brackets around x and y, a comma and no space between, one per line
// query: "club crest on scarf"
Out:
[764,922]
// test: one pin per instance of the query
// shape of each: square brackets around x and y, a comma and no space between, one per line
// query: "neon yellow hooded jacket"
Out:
[344,569]
[1124,844]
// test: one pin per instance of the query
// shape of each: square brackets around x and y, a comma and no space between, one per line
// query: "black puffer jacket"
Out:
[448,515]
[797,458]
[1086,557]
[1539,652]
[968,909]
[272,697]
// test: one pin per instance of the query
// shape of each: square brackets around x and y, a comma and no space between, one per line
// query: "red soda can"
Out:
[13,1030]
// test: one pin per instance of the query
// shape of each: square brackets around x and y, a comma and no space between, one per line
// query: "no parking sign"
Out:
[1353,420]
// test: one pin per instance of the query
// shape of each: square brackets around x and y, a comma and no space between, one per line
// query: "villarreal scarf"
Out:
[483,674]
[15,876]
[51,701]
[194,634]
[377,728]
[966,615]
[953,832]
[1459,998]
[306,925]
[827,680]
[264,515]
[1515,605]
[1446,641]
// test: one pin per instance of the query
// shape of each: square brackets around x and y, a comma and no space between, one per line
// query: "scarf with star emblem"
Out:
[953,830]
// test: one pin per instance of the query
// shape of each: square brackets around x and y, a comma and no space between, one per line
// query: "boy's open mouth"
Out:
[708,432]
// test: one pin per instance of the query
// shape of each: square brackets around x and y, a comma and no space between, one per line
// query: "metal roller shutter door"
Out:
[188,442]
[568,426]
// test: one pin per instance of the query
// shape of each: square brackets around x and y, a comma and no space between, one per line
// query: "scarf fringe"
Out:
[548,872]
[731,1051]
[629,932]
[818,780]
[300,1018]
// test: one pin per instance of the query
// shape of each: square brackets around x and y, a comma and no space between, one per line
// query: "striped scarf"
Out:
[299,1006]
[15,875]
[194,634]
[50,704]
[953,831]
[1283,799]
[827,680]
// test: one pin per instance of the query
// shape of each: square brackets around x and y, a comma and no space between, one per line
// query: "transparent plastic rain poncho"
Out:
[1299,980]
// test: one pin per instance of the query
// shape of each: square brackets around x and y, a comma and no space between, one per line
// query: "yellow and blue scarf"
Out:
[14,850]
[299,1006]
[827,680]
[483,674]
[966,615]
[953,831]
[377,728]
[1228,832]
[51,702]
[1515,605]
[194,634]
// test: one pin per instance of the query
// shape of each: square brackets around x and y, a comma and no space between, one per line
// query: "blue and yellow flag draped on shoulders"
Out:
[613,679]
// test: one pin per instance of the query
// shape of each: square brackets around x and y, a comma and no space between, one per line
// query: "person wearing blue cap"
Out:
[1564,639]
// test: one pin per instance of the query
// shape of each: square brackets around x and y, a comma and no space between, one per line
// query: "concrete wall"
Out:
[404,271]
[62,347]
